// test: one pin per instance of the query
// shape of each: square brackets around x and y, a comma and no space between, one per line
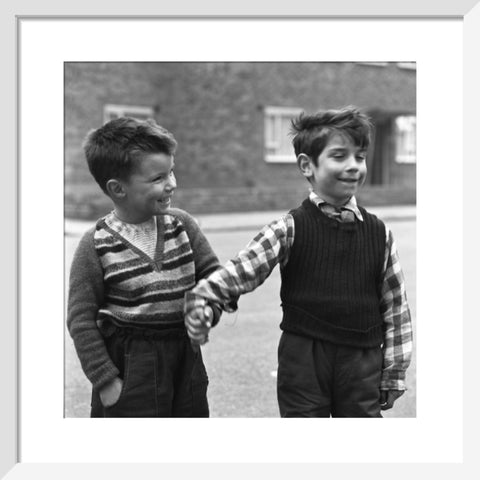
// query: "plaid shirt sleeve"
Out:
[397,347]
[251,266]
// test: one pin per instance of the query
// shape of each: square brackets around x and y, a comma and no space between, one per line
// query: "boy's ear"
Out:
[115,189]
[305,165]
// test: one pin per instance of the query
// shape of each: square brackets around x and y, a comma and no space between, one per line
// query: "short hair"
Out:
[113,150]
[312,132]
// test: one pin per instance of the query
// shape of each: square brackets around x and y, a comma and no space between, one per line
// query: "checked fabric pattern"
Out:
[271,246]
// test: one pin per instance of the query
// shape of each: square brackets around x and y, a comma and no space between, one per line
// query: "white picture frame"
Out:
[11,32]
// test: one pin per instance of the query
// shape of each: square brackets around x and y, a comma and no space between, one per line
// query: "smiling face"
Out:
[148,190]
[341,169]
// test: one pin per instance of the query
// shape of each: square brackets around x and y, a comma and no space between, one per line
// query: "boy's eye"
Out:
[161,178]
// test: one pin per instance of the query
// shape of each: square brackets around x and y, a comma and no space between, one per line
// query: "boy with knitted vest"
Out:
[346,329]
[128,279]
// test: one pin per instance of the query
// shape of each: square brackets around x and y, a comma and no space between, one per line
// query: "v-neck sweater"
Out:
[142,235]
[112,279]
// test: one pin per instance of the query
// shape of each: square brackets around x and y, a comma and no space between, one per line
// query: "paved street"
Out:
[241,355]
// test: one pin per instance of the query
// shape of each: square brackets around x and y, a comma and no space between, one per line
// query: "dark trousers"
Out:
[162,376]
[319,379]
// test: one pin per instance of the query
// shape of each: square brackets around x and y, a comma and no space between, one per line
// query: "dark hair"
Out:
[113,150]
[312,132]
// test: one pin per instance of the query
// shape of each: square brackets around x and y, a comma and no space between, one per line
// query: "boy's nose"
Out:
[352,163]
[172,183]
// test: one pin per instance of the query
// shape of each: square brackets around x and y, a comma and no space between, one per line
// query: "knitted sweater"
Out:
[330,284]
[112,279]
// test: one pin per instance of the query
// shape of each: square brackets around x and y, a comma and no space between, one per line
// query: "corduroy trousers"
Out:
[320,379]
[162,376]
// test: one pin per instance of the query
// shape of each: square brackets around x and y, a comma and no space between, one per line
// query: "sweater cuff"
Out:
[210,292]
[102,376]
[217,312]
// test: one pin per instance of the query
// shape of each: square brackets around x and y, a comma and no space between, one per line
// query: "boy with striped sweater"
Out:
[346,329]
[128,279]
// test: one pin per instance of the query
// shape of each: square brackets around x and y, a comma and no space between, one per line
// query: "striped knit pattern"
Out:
[111,278]
[145,291]
[330,284]
[141,235]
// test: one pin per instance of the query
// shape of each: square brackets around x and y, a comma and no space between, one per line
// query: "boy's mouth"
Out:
[165,200]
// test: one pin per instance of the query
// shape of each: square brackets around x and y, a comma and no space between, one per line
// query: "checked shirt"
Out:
[271,246]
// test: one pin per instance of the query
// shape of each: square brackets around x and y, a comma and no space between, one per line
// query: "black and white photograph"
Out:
[239,238]
[282,197]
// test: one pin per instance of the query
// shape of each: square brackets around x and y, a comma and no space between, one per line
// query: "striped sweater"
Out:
[112,279]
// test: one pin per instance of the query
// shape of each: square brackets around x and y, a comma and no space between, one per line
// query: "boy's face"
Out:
[340,170]
[149,189]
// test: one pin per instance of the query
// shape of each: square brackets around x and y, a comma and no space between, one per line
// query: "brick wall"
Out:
[237,199]
[215,111]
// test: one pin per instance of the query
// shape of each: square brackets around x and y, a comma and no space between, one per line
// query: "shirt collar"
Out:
[350,205]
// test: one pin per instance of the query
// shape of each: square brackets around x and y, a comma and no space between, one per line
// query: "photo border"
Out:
[468,10]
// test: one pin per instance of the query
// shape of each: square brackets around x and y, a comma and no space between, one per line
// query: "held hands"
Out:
[199,322]
[110,392]
[388,398]
[198,318]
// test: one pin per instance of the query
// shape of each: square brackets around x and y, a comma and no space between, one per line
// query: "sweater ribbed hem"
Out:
[143,321]
[300,322]
[103,376]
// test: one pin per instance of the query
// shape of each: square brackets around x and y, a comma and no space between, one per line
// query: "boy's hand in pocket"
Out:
[110,392]
[388,398]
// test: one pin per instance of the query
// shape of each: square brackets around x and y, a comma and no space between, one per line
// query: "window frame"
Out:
[407,65]
[404,159]
[271,143]
[135,111]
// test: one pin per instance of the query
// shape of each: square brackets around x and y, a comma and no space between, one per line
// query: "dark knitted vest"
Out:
[330,283]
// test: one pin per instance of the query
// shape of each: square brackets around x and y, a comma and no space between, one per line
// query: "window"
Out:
[110,112]
[407,65]
[278,142]
[375,64]
[405,134]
